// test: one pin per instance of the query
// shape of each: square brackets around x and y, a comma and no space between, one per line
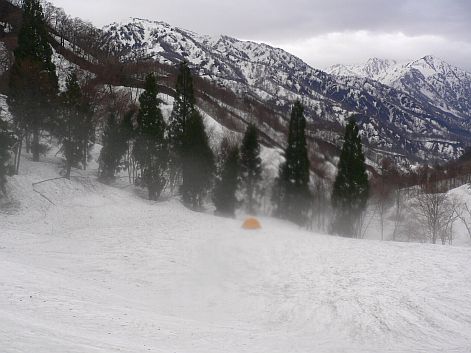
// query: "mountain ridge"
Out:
[443,85]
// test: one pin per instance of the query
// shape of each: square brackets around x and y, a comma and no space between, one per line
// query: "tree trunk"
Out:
[151,194]
[28,141]
[85,155]
[250,198]
[68,170]
[35,145]
[18,156]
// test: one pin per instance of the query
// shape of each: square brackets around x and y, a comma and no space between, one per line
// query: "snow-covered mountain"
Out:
[373,69]
[394,120]
[429,78]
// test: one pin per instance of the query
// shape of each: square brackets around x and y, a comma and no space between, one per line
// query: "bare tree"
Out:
[383,189]
[320,206]
[463,212]
[398,216]
[365,220]
[437,214]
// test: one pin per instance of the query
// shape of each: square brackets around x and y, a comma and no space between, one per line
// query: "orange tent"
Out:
[251,223]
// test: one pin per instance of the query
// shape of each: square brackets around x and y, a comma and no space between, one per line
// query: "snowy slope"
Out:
[65,68]
[98,269]
[393,120]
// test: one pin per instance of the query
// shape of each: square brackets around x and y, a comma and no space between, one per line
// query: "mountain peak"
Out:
[380,61]
[375,67]
[433,60]
[372,69]
[430,65]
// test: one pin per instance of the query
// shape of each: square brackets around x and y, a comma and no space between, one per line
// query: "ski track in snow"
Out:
[103,270]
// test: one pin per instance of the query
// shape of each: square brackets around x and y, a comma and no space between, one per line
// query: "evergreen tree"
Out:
[115,139]
[150,149]
[6,142]
[33,83]
[198,162]
[251,167]
[350,191]
[74,123]
[224,196]
[292,187]
[183,108]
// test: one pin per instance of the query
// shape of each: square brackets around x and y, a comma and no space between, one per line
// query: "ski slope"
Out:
[98,269]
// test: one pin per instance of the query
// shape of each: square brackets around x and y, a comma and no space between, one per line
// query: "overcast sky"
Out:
[321,32]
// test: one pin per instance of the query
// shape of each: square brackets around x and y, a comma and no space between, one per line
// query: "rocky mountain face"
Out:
[398,106]
[428,79]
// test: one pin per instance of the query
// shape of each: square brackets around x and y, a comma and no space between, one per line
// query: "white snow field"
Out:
[99,269]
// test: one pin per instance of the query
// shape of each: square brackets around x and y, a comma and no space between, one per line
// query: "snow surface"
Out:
[95,268]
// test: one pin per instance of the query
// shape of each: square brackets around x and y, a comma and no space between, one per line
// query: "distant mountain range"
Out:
[430,79]
[419,110]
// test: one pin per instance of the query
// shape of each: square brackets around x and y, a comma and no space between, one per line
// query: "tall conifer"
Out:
[33,80]
[350,191]
[150,148]
[70,126]
[116,134]
[292,187]
[198,162]
[224,196]
[251,167]
[183,109]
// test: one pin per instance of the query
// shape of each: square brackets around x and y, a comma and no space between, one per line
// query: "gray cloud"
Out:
[356,47]
[295,21]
